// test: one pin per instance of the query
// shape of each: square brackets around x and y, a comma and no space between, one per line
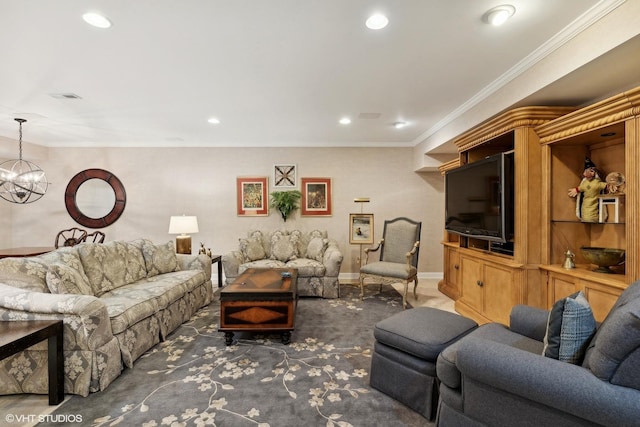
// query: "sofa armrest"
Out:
[195,262]
[563,386]
[529,321]
[332,259]
[231,263]
[86,320]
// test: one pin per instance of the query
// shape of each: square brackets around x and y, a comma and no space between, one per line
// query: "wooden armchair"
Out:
[95,237]
[70,237]
[398,256]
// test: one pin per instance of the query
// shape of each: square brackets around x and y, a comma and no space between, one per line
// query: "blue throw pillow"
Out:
[570,328]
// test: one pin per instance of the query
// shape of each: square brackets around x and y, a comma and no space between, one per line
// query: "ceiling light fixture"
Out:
[97,20]
[345,121]
[377,21]
[499,14]
[214,121]
[399,125]
[22,181]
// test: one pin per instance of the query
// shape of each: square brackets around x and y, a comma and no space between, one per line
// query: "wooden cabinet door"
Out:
[498,292]
[558,287]
[453,267]
[471,281]
[450,285]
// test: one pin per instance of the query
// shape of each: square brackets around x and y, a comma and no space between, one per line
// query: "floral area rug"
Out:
[320,379]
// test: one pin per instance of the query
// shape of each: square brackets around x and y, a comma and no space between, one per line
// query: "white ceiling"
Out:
[276,73]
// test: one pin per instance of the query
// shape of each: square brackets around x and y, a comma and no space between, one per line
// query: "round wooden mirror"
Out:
[95,198]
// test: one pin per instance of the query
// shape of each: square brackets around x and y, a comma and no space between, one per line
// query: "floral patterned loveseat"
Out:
[317,258]
[117,300]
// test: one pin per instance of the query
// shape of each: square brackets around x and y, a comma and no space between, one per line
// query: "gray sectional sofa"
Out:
[497,375]
[117,300]
[316,257]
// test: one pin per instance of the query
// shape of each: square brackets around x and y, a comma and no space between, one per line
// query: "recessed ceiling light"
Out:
[399,125]
[377,21]
[214,121]
[97,20]
[345,121]
[499,14]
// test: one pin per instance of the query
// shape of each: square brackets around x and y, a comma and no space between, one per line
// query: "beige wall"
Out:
[161,182]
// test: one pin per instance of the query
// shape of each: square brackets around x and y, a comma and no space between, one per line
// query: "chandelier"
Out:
[22,181]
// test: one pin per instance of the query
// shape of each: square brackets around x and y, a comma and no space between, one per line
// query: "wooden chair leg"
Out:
[404,295]
[415,286]
[361,287]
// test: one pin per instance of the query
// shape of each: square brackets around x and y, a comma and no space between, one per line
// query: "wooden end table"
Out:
[20,335]
[260,300]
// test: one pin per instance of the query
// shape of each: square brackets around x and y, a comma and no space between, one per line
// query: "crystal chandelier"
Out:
[22,181]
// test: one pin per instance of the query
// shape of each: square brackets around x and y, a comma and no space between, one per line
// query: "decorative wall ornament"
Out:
[284,176]
[252,196]
[286,202]
[83,212]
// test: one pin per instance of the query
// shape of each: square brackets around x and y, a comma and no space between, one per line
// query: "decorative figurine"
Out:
[569,262]
[202,250]
[208,253]
[586,193]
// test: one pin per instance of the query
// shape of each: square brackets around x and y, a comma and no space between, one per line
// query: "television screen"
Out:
[479,199]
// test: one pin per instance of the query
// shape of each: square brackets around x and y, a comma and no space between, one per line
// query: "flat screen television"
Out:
[479,199]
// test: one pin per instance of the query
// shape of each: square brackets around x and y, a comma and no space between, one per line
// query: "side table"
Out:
[218,259]
[20,335]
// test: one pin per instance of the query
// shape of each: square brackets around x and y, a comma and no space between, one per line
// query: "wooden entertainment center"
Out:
[549,146]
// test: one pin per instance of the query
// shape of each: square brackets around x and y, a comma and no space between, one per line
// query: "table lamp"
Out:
[183,225]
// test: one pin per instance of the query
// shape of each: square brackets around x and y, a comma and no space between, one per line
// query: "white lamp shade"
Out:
[183,224]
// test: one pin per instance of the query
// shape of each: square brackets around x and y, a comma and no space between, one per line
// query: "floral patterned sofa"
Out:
[317,258]
[117,300]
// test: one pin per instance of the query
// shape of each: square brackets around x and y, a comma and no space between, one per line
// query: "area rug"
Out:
[194,379]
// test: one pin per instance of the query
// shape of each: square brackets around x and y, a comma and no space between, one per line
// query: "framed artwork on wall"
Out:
[361,228]
[284,176]
[251,196]
[316,196]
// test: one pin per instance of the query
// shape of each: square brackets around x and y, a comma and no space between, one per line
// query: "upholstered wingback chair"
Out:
[398,260]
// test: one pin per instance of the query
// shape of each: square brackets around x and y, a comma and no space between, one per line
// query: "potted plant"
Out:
[286,202]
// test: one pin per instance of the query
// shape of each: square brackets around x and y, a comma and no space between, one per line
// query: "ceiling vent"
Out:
[65,96]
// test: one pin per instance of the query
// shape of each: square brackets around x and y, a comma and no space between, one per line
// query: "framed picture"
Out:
[252,199]
[316,196]
[284,176]
[361,228]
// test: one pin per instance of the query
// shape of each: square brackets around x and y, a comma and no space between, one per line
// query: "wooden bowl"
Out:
[603,257]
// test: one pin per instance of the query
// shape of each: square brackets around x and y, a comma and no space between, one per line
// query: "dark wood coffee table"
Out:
[20,335]
[260,300]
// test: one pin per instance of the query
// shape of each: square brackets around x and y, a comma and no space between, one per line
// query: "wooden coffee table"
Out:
[260,300]
[16,336]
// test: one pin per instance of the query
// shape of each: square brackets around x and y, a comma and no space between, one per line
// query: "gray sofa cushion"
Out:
[389,269]
[449,373]
[615,354]
[423,331]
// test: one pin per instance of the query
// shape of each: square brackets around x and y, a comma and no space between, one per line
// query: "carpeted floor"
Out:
[194,379]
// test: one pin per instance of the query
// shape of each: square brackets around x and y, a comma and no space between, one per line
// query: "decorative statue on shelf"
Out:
[204,251]
[615,183]
[587,192]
